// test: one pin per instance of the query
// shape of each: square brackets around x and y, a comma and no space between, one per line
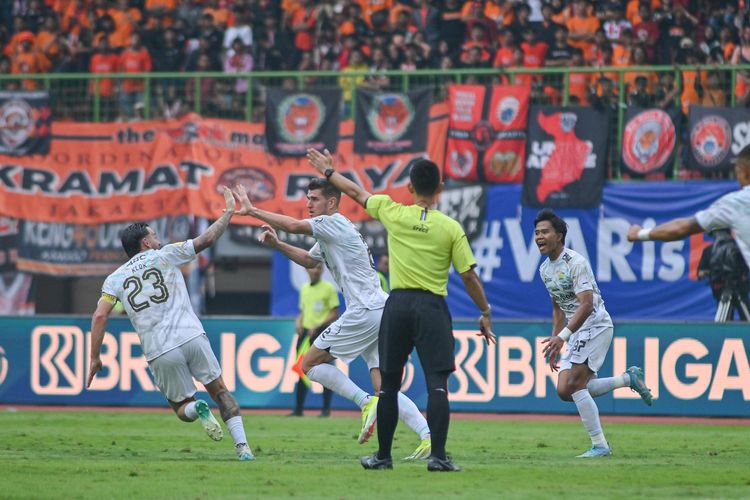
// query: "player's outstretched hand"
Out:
[246,206]
[94,368]
[231,204]
[485,329]
[320,161]
[551,350]
[269,236]
[633,232]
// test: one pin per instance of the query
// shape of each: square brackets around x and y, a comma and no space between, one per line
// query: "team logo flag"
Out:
[297,121]
[648,141]
[487,132]
[391,122]
[566,157]
[25,123]
[717,135]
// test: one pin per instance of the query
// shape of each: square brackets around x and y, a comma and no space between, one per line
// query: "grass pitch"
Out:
[153,455]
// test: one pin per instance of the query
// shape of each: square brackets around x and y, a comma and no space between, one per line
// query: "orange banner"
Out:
[114,172]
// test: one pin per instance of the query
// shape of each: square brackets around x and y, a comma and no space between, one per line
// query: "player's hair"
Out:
[558,224]
[132,236]
[425,177]
[744,156]
[328,189]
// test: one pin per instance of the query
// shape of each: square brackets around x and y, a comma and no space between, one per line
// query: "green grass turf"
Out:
[153,455]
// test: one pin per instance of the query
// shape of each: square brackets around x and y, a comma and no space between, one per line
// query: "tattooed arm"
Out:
[216,229]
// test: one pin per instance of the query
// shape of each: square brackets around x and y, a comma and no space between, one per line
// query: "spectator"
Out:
[646,32]
[268,56]
[666,91]
[622,52]
[169,58]
[477,38]
[27,61]
[548,28]
[605,98]
[104,61]
[726,41]
[614,23]
[241,29]
[560,52]
[691,78]
[534,51]
[475,57]
[302,23]
[500,12]
[710,46]
[208,30]
[126,20]
[674,28]
[135,59]
[426,19]
[36,14]
[349,83]
[203,64]
[14,44]
[579,82]
[522,24]
[218,13]
[188,11]
[404,27]
[633,9]
[452,26]
[239,60]
[473,15]
[504,55]
[713,93]
[640,97]
[49,41]
[582,27]
[600,44]
[638,58]
[413,59]
[164,8]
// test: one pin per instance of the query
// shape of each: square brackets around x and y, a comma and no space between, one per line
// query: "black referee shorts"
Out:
[416,318]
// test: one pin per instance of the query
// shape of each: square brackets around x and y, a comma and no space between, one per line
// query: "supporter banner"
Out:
[487,132]
[8,244]
[16,288]
[85,250]
[698,369]
[117,172]
[388,123]
[566,158]
[717,135]
[25,121]
[297,121]
[648,141]
[641,280]
[463,203]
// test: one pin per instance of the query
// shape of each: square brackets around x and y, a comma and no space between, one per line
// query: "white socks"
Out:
[410,414]
[333,378]
[190,412]
[590,417]
[236,429]
[599,386]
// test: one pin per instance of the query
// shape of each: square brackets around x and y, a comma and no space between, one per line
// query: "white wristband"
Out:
[565,334]
[644,234]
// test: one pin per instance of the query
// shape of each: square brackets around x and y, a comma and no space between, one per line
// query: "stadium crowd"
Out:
[234,36]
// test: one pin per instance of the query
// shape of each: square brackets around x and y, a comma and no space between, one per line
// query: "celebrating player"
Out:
[355,333]
[151,288]
[580,319]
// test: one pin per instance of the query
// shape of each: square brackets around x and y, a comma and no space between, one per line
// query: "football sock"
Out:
[236,429]
[410,414]
[599,386]
[388,412]
[190,411]
[333,378]
[589,413]
[438,412]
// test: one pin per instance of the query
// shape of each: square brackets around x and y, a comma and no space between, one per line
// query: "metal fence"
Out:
[241,96]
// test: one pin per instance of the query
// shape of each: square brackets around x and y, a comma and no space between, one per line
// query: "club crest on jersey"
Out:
[390,116]
[300,117]
[710,140]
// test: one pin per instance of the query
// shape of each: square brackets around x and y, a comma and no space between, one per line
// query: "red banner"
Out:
[114,172]
[487,132]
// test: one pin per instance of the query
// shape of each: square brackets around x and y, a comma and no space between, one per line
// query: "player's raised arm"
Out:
[323,163]
[215,230]
[98,327]
[283,222]
[673,230]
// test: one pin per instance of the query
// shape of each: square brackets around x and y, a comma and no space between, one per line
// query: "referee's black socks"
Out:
[438,411]
[387,412]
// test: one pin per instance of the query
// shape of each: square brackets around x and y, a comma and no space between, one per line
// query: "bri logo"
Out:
[3,365]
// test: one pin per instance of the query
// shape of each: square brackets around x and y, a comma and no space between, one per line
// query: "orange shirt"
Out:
[534,55]
[503,57]
[620,55]
[578,86]
[393,16]
[134,61]
[27,63]
[80,15]
[371,6]
[221,16]
[583,26]
[303,39]
[103,63]
[716,98]
[502,14]
[12,47]
[46,43]
[728,51]
[123,25]
[689,95]
[164,4]
[631,11]
[630,76]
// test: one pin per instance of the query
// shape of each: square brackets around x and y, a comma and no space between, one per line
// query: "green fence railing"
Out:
[241,96]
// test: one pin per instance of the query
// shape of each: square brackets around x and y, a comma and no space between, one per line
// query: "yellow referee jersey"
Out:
[422,244]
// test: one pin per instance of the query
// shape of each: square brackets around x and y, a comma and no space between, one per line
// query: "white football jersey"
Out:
[730,211]
[153,292]
[348,258]
[568,275]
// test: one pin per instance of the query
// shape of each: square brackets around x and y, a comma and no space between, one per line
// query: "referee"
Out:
[422,245]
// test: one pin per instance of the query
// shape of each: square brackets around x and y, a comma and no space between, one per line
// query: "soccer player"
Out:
[731,211]
[318,308]
[153,292]
[422,244]
[355,333]
[580,319]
